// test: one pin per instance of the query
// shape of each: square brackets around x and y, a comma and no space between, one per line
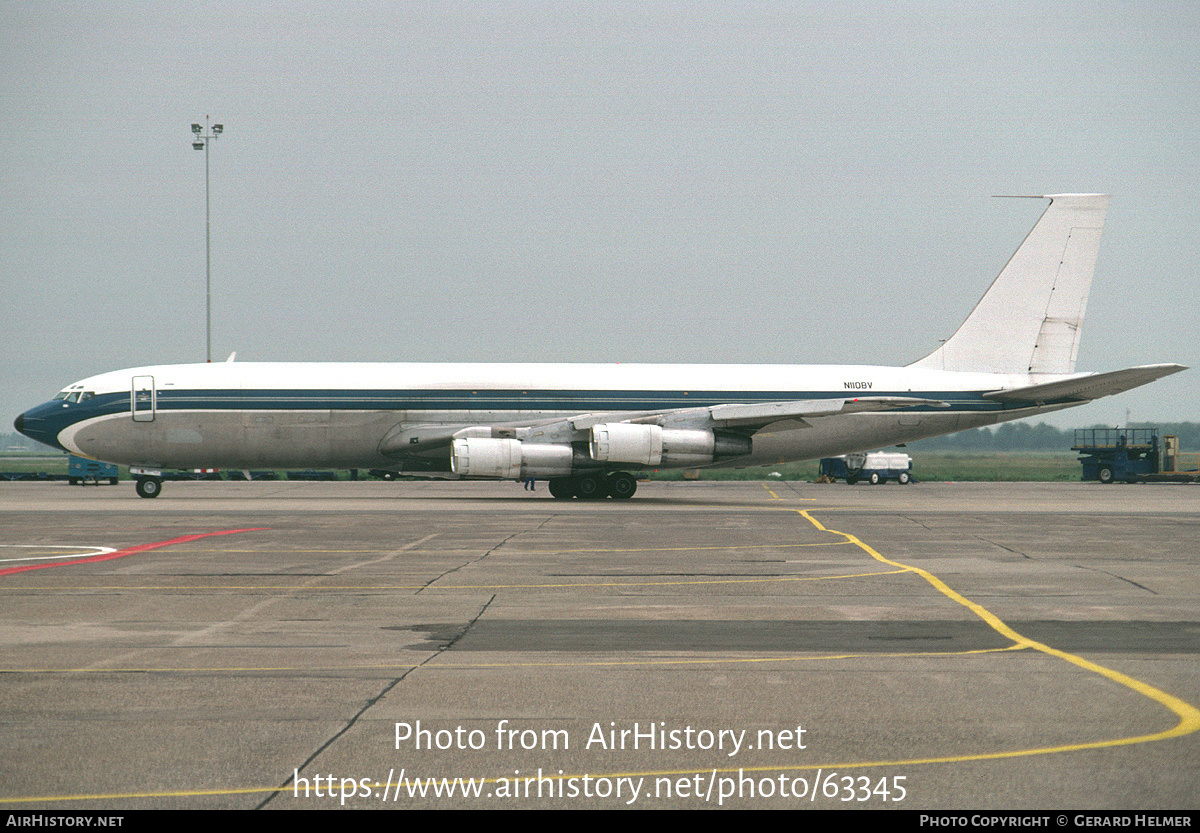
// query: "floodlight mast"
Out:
[203,137]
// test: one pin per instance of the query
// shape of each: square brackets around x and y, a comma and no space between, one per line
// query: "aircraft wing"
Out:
[748,415]
[1086,388]
[409,440]
[765,413]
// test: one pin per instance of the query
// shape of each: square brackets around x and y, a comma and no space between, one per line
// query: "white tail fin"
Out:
[1029,319]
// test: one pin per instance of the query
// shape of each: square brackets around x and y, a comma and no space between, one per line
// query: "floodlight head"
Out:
[217,128]
[198,145]
[196,128]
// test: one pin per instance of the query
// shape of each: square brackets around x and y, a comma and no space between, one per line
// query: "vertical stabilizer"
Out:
[1029,320]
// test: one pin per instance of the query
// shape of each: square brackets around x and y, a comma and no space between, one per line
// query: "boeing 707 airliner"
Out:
[587,427]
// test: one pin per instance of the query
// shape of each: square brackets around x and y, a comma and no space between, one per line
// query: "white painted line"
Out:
[86,551]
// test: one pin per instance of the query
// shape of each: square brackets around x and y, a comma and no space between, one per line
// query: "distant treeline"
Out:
[1020,436]
[14,441]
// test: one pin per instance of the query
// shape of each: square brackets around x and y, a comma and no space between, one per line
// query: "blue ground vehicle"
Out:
[82,470]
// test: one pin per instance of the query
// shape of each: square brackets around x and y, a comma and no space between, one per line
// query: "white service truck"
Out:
[875,467]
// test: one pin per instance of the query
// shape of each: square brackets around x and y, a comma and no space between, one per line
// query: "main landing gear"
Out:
[595,486]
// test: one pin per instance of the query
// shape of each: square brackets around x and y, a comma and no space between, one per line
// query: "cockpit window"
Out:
[74,397]
[86,395]
[62,395]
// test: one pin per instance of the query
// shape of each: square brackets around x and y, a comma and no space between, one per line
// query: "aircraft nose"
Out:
[35,425]
[27,425]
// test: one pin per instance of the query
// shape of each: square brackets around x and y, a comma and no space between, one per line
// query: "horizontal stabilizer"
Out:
[1085,388]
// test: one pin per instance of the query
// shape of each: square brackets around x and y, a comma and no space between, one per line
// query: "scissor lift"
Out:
[1113,455]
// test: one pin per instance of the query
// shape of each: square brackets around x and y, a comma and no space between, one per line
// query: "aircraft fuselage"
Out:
[251,415]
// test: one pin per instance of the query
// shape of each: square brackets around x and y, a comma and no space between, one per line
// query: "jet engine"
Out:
[509,459]
[652,445]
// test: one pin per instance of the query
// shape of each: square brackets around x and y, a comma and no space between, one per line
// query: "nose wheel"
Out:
[148,487]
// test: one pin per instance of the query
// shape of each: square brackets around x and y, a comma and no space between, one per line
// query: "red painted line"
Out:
[108,556]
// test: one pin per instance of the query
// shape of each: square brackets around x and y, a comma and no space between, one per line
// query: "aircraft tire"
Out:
[622,485]
[591,487]
[149,487]
[562,488]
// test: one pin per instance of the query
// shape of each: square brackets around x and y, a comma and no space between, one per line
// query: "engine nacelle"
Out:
[651,445]
[509,459]
[622,442]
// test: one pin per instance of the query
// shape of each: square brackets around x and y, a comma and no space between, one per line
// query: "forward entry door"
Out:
[142,399]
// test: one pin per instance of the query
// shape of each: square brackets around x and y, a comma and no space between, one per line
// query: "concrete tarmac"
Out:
[307,645]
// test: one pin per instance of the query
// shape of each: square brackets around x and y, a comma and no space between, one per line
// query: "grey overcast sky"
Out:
[645,181]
